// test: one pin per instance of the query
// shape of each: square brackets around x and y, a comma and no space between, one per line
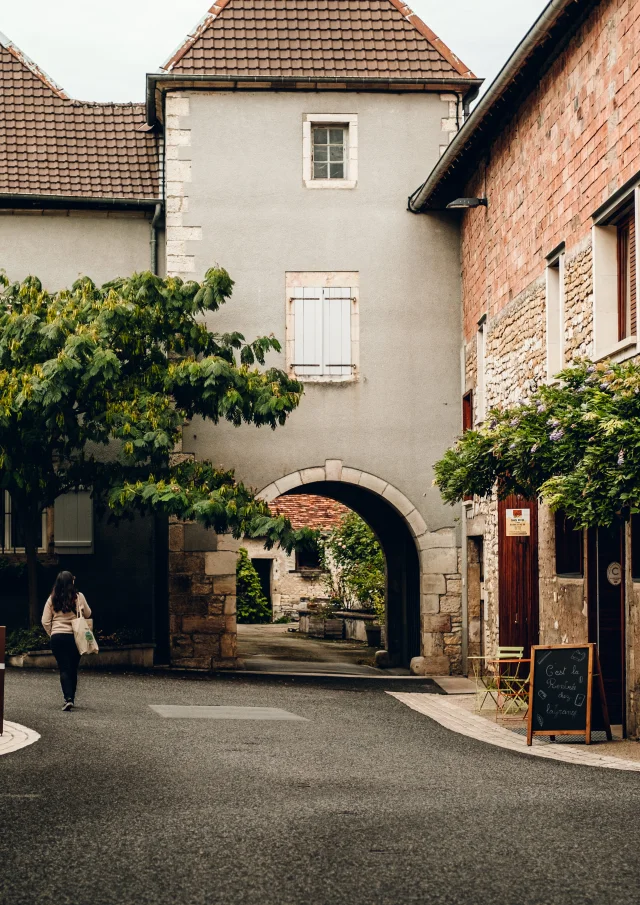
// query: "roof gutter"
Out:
[23,200]
[468,86]
[503,81]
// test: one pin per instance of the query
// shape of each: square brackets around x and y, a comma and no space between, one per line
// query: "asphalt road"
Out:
[365,803]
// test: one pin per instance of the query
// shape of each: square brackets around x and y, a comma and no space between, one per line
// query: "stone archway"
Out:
[424,581]
[424,589]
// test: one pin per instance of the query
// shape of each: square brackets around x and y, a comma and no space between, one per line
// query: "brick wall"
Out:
[571,143]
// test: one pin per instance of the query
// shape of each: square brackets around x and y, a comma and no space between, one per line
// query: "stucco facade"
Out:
[60,245]
[235,198]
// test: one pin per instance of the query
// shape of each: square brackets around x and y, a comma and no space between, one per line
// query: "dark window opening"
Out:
[308,559]
[569,547]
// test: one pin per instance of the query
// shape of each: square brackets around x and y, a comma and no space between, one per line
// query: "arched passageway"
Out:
[403,566]
[395,522]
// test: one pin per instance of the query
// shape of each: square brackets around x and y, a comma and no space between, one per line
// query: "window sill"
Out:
[330,183]
[620,351]
[350,378]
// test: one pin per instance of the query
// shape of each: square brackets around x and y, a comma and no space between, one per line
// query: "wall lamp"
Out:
[467,202]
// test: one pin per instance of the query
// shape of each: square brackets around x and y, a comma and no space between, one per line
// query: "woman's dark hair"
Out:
[64,594]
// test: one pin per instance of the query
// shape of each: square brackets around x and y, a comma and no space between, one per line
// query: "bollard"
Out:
[3,638]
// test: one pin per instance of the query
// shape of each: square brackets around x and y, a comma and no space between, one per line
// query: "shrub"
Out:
[253,607]
[357,575]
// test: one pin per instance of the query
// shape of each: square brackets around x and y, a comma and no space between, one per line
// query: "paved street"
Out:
[364,802]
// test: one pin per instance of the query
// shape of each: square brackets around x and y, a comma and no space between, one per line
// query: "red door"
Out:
[518,578]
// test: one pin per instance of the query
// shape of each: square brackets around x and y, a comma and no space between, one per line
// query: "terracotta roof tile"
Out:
[51,145]
[361,39]
[306,510]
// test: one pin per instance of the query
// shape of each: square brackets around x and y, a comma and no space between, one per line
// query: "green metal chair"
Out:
[488,684]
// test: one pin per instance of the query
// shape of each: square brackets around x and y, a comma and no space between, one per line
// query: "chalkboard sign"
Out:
[562,696]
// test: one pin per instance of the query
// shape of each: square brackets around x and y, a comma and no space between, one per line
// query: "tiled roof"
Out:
[51,145]
[363,39]
[306,510]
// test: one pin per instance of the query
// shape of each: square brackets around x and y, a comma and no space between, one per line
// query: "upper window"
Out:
[480,370]
[626,276]
[322,325]
[555,313]
[330,150]
[12,533]
[615,279]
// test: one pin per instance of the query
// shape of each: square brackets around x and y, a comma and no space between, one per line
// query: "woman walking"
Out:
[60,610]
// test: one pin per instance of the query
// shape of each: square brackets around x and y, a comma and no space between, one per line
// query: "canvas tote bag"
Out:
[83,633]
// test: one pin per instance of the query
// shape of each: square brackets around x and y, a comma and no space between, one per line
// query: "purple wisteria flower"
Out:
[556,435]
[493,424]
[514,422]
[512,446]
[542,408]
[591,369]
[553,422]
[621,458]
[604,386]
[535,447]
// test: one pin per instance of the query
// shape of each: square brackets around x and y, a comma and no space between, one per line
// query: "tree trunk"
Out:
[31,550]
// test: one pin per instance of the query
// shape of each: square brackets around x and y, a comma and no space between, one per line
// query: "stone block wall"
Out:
[202,602]
[441,603]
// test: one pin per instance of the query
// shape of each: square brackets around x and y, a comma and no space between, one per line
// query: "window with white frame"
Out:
[330,150]
[555,312]
[322,328]
[615,278]
[12,533]
[480,368]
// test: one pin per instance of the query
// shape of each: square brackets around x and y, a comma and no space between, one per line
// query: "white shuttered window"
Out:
[322,332]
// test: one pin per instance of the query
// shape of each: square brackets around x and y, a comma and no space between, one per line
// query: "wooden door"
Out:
[606,611]
[518,578]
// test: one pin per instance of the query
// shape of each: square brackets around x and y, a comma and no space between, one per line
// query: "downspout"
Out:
[153,241]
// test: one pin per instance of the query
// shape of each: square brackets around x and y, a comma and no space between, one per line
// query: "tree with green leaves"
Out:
[252,606]
[355,563]
[575,443]
[124,366]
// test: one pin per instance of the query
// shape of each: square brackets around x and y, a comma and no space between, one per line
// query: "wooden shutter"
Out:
[307,310]
[73,523]
[336,352]
[632,274]
[467,411]
[627,316]
[635,547]
[569,547]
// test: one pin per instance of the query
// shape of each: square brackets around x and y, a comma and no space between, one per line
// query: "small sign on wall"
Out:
[518,522]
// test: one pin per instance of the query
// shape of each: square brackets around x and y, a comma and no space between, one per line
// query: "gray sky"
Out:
[101,51]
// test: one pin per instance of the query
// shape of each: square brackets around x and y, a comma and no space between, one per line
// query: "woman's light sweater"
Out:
[60,623]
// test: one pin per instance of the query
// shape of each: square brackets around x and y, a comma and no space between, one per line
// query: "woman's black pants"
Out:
[67,657]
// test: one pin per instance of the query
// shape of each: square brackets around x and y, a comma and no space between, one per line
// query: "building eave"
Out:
[160,82]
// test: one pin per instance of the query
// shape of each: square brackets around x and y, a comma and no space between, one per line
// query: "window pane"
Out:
[336,136]
[320,171]
[320,152]
[319,136]
[336,152]
[336,171]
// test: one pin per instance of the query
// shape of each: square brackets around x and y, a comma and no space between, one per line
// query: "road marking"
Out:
[454,718]
[193,712]
[15,737]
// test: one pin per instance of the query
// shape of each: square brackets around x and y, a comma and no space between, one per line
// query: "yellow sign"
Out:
[518,522]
